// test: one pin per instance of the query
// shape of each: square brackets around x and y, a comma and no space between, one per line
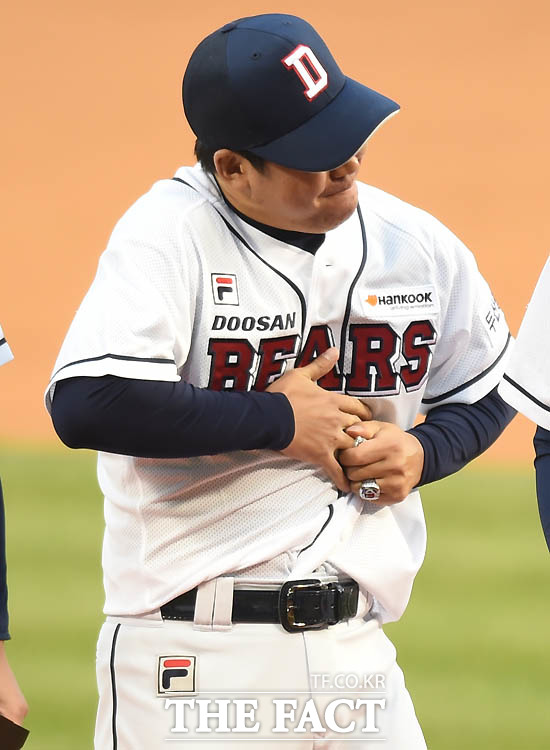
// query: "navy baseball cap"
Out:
[269,84]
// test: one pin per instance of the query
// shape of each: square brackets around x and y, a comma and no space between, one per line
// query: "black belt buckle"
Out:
[314,612]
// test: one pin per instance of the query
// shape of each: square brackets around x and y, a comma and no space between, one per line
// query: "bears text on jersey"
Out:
[382,361]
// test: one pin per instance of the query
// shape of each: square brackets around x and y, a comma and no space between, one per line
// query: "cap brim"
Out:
[334,134]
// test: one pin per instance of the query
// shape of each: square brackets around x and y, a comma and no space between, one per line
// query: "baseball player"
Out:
[13,706]
[526,385]
[249,361]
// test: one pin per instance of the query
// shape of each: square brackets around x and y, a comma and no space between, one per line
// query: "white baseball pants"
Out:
[208,686]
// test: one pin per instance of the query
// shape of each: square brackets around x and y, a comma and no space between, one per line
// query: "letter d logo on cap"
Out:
[297,59]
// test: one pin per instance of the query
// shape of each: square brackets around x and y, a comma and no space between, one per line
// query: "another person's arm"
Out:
[542,467]
[526,385]
[13,705]
[12,702]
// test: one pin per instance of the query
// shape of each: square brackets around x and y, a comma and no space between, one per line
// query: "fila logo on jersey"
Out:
[307,67]
[224,288]
[176,674]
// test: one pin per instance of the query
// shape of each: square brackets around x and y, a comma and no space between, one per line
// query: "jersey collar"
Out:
[303,240]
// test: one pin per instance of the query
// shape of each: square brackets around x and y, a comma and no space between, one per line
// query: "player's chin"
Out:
[339,207]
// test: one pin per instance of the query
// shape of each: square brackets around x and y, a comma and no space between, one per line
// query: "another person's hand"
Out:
[320,416]
[12,701]
[391,456]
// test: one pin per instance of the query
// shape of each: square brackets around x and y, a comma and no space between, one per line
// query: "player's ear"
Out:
[229,165]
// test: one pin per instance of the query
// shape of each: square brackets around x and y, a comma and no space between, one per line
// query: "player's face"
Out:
[304,201]
[287,198]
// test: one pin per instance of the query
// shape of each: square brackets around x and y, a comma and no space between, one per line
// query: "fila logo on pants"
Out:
[176,674]
[305,64]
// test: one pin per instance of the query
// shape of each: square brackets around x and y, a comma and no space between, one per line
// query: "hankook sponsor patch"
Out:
[383,302]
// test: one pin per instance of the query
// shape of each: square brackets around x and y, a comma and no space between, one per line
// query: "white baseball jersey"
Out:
[526,382]
[187,290]
[5,351]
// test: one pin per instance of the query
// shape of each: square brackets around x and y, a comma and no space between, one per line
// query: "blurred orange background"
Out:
[92,116]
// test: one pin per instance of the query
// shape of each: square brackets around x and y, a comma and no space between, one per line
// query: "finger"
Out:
[366,454]
[348,420]
[336,474]
[379,469]
[365,428]
[352,454]
[352,405]
[321,365]
[344,443]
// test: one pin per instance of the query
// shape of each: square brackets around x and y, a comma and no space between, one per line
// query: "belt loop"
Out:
[223,604]
[204,606]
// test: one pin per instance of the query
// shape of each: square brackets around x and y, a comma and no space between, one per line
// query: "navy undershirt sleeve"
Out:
[542,467]
[171,420]
[156,419]
[4,634]
[454,434]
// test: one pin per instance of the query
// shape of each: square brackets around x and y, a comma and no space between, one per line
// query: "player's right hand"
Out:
[320,417]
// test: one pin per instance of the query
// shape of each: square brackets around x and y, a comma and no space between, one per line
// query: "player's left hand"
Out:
[391,456]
